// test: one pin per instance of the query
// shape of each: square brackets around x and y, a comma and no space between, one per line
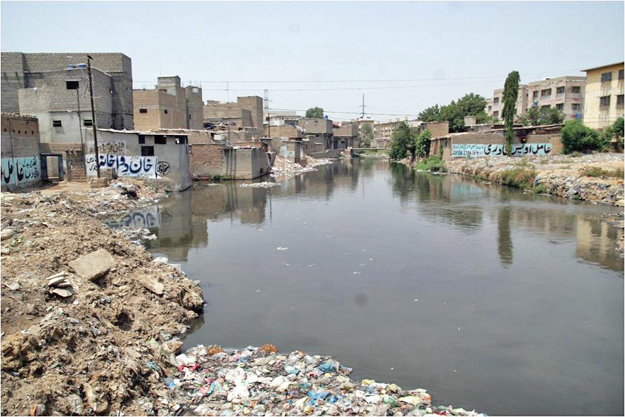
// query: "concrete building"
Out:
[563,93]
[317,135]
[21,161]
[27,71]
[246,112]
[168,106]
[281,118]
[494,106]
[160,156]
[214,160]
[604,95]
[345,136]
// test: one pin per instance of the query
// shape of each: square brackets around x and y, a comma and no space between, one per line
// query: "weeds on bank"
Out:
[600,172]
[432,164]
[519,177]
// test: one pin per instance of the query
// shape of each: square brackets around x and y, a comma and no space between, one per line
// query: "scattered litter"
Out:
[281,248]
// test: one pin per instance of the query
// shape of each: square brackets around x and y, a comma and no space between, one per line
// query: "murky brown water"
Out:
[490,298]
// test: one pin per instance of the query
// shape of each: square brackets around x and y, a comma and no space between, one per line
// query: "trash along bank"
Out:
[92,325]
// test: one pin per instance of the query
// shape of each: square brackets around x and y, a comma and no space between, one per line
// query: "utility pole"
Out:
[82,143]
[267,111]
[363,105]
[95,132]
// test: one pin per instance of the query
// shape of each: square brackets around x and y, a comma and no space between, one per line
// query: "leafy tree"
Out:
[454,113]
[617,127]
[314,113]
[577,137]
[537,117]
[422,144]
[365,135]
[614,131]
[510,95]
[402,142]
[553,116]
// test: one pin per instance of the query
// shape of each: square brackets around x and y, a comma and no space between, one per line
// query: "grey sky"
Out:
[442,50]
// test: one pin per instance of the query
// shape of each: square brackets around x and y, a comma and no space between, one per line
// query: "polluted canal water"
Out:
[490,298]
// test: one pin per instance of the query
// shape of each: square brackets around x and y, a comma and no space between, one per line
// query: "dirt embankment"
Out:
[91,336]
[596,178]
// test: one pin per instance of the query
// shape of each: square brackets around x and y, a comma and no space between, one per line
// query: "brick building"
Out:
[168,106]
[21,164]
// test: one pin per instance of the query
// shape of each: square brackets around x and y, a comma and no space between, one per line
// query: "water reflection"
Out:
[504,241]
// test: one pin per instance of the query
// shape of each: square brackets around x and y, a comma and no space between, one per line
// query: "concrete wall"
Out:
[18,69]
[316,126]
[255,105]
[246,112]
[523,144]
[166,106]
[283,131]
[216,160]
[21,163]
[595,115]
[437,128]
[171,164]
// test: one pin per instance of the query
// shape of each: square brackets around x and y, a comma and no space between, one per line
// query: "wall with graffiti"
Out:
[482,149]
[21,171]
[126,166]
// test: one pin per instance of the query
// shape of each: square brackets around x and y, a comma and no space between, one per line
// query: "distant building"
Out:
[345,136]
[317,135]
[385,130]
[563,93]
[604,95]
[246,112]
[280,118]
[168,106]
[494,106]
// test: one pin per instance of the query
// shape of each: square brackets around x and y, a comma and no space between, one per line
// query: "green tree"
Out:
[422,144]
[454,113]
[365,135]
[510,95]
[614,131]
[553,116]
[577,137]
[402,142]
[314,113]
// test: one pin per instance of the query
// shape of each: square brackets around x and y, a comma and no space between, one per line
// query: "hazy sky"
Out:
[404,56]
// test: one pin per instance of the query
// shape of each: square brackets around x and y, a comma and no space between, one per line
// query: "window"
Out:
[71,85]
[57,123]
[143,110]
[496,100]
[147,151]
[495,114]
[160,140]
[189,116]
[560,106]
[604,101]
[545,107]
[181,141]
[165,111]
[620,74]
[87,123]
[606,77]
[141,139]
[535,94]
[560,90]
[575,90]
[545,93]
[619,101]
[490,108]
[575,106]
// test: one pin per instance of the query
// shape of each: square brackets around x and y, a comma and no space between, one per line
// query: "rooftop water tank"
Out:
[71,66]
[82,66]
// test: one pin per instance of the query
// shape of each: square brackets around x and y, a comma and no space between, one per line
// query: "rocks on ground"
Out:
[88,320]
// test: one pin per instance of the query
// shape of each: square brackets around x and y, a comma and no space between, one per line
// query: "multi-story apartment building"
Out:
[494,106]
[168,106]
[604,95]
[563,93]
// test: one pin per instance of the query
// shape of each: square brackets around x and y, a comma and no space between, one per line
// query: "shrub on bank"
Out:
[580,138]
[519,177]
[432,164]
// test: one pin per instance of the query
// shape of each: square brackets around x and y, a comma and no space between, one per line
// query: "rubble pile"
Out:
[260,381]
[284,168]
[88,319]
[562,175]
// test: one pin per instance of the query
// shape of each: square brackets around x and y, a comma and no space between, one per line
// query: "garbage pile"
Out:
[260,381]
[284,168]
[264,184]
